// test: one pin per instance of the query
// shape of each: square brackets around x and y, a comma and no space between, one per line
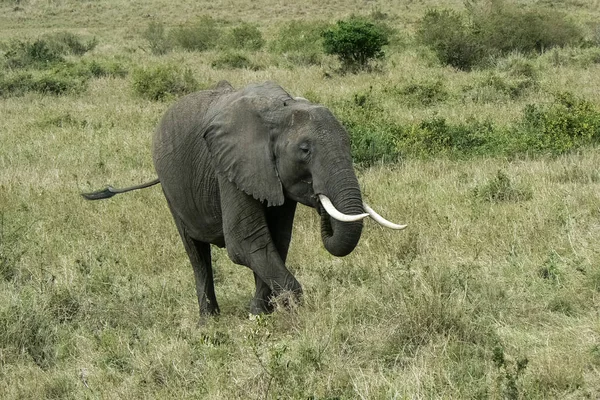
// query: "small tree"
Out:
[356,42]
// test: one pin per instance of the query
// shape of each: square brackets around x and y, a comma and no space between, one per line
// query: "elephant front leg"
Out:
[261,303]
[280,222]
[249,242]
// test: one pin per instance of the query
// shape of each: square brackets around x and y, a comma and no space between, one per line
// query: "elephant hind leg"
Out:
[200,258]
[203,275]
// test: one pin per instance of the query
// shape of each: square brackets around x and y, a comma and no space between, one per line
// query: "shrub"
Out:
[233,61]
[567,123]
[157,39]
[245,36]
[45,51]
[356,42]
[495,30]
[373,135]
[47,82]
[37,54]
[445,32]
[505,28]
[300,42]
[162,82]
[202,35]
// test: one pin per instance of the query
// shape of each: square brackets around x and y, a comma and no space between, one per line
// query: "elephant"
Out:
[233,164]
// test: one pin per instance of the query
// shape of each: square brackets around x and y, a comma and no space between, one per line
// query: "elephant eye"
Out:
[305,149]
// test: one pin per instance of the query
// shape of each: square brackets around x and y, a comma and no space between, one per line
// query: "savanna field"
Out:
[477,124]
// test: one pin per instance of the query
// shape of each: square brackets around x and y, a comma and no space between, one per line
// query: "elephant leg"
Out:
[280,221]
[261,303]
[200,258]
[249,241]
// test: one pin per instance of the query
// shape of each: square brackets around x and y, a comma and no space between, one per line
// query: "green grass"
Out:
[491,291]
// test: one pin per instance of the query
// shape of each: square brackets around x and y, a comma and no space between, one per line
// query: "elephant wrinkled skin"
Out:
[233,164]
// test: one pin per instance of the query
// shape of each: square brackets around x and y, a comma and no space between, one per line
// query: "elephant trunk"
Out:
[340,238]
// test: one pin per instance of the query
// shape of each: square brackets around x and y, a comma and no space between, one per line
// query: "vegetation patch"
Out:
[157,38]
[494,29]
[46,51]
[566,124]
[244,36]
[231,60]
[200,35]
[300,42]
[163,82]
[356,42]
[423,94]
[501,188]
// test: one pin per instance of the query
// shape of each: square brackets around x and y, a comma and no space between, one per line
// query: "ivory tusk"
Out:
[334,213]
[380,220]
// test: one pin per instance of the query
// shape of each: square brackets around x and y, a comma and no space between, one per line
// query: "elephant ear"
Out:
[239,140]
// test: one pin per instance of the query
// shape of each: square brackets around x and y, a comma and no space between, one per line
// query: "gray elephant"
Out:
[233,164]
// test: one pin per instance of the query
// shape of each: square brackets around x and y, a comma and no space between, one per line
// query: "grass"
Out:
[491,292]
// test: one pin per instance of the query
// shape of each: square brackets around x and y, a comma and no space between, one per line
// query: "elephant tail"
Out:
[111,191]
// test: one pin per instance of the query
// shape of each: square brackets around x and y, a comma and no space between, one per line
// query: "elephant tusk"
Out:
[334,213]
[382,221]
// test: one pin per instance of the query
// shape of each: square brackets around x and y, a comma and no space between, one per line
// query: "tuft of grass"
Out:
[157,38]
[70,43]
[425,93]
[200,35]
[231,60]
[501,189]
[300,42]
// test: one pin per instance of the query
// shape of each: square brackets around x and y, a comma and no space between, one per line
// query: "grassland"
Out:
[492,291]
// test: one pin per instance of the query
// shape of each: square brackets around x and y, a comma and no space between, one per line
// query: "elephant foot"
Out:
[261,306]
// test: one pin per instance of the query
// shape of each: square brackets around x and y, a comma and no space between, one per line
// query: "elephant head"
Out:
[274,146]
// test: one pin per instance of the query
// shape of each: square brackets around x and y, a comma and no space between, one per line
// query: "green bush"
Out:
[373,135]
[245,36]
[201,35]
[46,82]
[495,30]
[356,42]
[233,61]
[37,54]
[157,38]
[445,32]
[506,28]
[567,123]
[163,82]
[46,51]
[300,42]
